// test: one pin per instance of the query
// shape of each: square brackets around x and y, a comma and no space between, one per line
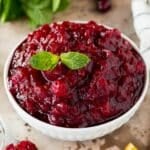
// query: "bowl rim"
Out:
[42,123]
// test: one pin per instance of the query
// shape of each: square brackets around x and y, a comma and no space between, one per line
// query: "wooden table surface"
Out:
[137,130]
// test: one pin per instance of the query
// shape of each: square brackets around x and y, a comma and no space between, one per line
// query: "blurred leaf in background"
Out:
[37,11]
[10,10]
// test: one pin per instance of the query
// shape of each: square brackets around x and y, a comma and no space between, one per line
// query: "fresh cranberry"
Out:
[22,145]
[104,5]
[104,89]
[10,147]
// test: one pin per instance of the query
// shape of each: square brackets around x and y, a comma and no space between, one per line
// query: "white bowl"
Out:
[76,134]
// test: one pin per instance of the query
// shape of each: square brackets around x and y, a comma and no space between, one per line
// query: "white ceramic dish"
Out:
[75,134]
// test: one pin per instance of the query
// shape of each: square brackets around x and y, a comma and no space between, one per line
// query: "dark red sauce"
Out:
[103,90]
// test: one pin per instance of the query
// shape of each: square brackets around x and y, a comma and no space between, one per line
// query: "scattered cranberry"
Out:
[22,145]
[103,90]
[103,5]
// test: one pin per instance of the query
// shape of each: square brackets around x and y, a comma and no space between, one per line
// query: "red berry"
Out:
[104,5]
[22,145]
[10,147]
[26,145]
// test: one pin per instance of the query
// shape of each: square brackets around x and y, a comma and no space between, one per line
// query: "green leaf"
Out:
[38,16]
[38,11]
[74,60]
[55,5]
[44,61]
[34,2]
[37,4]
[63,5]
[1,6]
[6,10]
[11,10]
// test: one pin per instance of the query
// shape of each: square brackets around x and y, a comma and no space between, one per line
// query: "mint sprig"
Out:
[44,61]
[74,60]
[37,11]
[55,5]
[47,61]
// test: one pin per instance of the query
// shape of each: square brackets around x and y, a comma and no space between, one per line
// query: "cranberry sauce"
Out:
[103,90]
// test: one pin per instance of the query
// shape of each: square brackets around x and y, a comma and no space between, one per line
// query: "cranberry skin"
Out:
[110,39]
[102,86]
[103,5]
[140,67]
[54,74]
[106,109]
[26,145]
[10,147]
[22,145]
[60,88]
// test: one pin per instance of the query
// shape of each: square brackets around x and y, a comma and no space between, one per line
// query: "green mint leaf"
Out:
[10,10]
[38,16]
[6,10]
[38,4]
[74,60]
[63,5]
[55,5]
[44,61]
[38,12]
[1,6]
